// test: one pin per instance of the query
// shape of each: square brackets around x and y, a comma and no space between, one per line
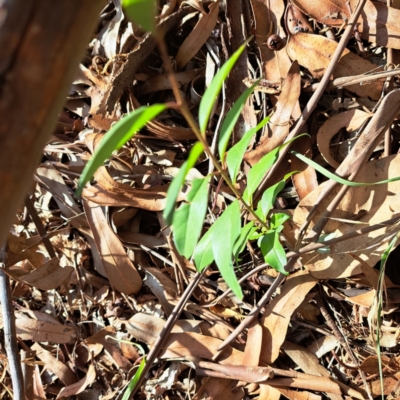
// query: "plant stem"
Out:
[192,124]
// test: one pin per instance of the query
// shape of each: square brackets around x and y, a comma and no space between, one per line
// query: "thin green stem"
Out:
[192,124]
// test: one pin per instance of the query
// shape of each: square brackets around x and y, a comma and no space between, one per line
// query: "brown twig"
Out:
[10,332]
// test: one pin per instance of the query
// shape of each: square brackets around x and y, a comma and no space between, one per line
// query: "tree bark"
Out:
[42,43]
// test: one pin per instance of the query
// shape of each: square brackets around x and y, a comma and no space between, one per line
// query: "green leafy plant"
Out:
[226,239]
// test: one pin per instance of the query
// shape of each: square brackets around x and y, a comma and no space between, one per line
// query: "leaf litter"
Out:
[92,311]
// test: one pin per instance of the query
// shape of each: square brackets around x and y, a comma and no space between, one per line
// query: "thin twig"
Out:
[10,331]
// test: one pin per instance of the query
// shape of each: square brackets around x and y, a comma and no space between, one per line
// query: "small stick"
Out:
[10,331]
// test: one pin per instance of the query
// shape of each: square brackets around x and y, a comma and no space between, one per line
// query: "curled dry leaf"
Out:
[120,270]
[368,205]
[107,192]
[278,127]
[314,53]
[351,120]
[80,386]
[378,23]
[48,276]
[198,36]
[42,331]
[146,327]
[52,364]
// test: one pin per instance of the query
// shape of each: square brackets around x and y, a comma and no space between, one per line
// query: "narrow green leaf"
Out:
[210,95]
[337,178]
[245,233]
[188,219]
[226,231]
[203,255]
[273,252]
[258,171]
[235,154]
[269,196]
[116,137]
[231,119]
[142,12]
[134,381]
[177,183]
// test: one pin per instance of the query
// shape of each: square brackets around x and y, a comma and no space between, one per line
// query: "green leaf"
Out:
[236,153]
[177,183]
[273,252]
[337,178]
[258,171]
[203,255]
[142,12]
[210,95]
[116,137]
[224,236]
[188,219]
[134,381]
[269,196]
[231,119]
[245,233]
[277,221]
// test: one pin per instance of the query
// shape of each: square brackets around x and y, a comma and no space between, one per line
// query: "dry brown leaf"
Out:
[120,270]
[378,23]
[296,395]
[269,393]
[371,203]
[389,384]
[314,52]
[162,82]
[219,389]
[252,351]
[146,328]
[365,299]
[42,331]
[268,18]
[277,315]
[323,345]
[198,36]
[371,365]
[317,383]
[278,126]
[57,367]
[351,120]
[308,362]
[107,192]
[306,180]
[48,276]
[163,288]
[190,344]
[80,386]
